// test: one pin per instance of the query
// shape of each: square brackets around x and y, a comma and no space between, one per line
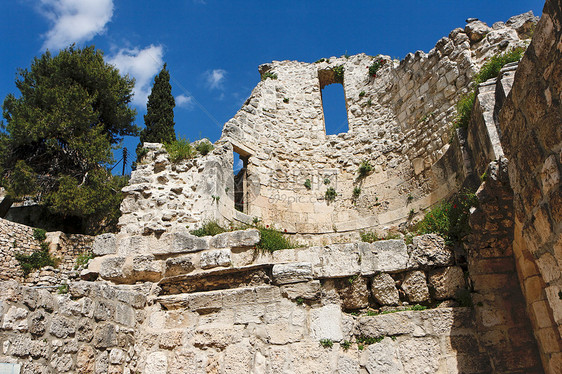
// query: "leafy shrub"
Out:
[338,73]
[464,109]
[367,340]
[346,344]
[492,67]
[326,181]
[268,74]
[321,60]
[356,192]
[331,194]
[364,168]
[326,343]
[204,147]
[449,219]
[22,181]
[180,149]
[308,184]
[362,93]
[369,237]
[83,259]
[209,228]
[374,68]
[36,260]
[63,289]
[286,100]
[272,240]
[39,234]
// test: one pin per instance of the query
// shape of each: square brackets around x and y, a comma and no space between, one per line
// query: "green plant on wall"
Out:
[338,73]
[331,194]
[268,74]
[356,192]
[308,184]
[180,149]
[375,66]
[364,168]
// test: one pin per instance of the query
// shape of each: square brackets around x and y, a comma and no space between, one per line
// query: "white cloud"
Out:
[143,65]
[184,101]
[215,78]
[74,21]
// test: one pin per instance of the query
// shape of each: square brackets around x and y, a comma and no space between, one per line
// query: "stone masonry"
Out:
[156,299]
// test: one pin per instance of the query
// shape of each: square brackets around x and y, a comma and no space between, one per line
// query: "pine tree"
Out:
[159,117]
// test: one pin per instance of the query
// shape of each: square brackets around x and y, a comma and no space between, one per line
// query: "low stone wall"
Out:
[89,330]
[18,238]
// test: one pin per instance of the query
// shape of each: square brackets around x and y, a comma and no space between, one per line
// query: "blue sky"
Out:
[213,48]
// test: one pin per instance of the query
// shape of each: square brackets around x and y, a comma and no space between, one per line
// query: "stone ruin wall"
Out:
[401,125]
[218,305]
[236,311]
[15,237]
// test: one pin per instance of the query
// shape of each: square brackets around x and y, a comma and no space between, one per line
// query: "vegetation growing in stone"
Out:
[268,74]
[356,192]
[159,117]
[490,69]
[377,64]
[364,168]
[346,344]
[39,234]
[369,237]
[330,194]
[209,228]
[63,289]
[272,240]
[83,259]
[73,108]
[36,260]
[326,343]
[362,93]
[449,218]
[286,100]
[204,147]
[180,149]
[338,73]
[308,184]
[326,181]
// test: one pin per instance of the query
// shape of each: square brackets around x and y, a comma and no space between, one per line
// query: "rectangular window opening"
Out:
[335,109]
[240,170]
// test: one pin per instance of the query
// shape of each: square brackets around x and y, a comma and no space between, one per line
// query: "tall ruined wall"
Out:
[399,121]
[531,136]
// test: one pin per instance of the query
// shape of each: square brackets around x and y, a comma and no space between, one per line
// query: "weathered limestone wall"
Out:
[15,237]
[531,136]
[401,124]
[89,330]
[162,196]
[262,313]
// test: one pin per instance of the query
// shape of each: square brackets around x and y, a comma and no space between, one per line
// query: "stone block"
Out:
[105,335]
[382,358]
[111,268]
[384,290]
[353,292]
[156,363]
[292,273]
[179,265]
[415,287]
[445,282]
[146,268]
[15,319]
[214,258]
[325,323]
[307,291]
[398,323]
[62,327]
[180,242]
[386,256]
[236,239]
[104,244]
[430,250]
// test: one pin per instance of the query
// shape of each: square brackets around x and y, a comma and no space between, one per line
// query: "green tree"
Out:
[72,110]
[159,117]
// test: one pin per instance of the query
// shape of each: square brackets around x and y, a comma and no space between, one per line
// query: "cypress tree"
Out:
[159,117]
